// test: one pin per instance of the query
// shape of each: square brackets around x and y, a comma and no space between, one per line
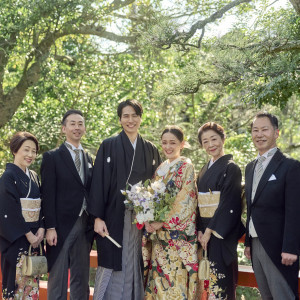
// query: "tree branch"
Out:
[98,31]
[117,4]
[217,15]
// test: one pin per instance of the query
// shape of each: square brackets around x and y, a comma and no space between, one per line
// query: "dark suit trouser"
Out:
[75,255]
[271,283]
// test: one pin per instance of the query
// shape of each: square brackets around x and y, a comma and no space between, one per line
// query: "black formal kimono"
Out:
[14,184]
[223,176]
[275,212]
[111,172]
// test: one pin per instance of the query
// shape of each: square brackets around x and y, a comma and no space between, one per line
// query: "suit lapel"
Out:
[249,180]
[271,168]
[67,158]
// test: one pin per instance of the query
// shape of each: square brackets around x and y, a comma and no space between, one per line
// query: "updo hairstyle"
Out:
[211,126]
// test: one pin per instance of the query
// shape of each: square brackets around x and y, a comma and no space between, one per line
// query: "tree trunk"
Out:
[296,5]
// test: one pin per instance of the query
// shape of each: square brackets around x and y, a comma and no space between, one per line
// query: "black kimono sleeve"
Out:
[12,223]
[228,214]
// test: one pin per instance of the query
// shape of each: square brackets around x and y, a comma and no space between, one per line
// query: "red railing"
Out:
[246,278]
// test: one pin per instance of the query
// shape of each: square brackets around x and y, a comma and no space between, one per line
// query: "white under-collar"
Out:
[167,165]
[134,143]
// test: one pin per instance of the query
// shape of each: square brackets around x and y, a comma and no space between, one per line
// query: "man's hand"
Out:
[32,239]
[40,234]
[51,237]
[288,259]
[100,227]
[247,252]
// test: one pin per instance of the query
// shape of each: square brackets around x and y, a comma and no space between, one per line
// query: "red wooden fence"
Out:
[246,278]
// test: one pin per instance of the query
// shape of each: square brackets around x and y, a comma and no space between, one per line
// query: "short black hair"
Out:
[136,105]
[19,138]
[217,128]
[70,112]
[264,114]
[176,130]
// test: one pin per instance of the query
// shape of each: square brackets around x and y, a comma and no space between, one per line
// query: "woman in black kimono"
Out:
[20,218]
[219,223]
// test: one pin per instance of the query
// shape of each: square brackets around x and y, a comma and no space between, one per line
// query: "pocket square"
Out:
[272,178]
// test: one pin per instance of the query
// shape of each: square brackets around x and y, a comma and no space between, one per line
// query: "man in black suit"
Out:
[273,216]
[66,176]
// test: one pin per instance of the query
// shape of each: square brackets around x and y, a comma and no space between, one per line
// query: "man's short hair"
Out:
[264,114]
[136,105]
[70,112]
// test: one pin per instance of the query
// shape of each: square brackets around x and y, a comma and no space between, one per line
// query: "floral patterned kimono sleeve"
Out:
[184,206]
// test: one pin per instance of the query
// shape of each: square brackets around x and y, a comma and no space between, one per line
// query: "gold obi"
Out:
[31,209]
[208,203]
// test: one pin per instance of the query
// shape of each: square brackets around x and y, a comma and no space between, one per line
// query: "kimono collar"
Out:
[167,165]
[20,173]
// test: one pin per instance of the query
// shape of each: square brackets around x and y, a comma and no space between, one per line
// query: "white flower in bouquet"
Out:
[147,195]
[137,188]
[158,186]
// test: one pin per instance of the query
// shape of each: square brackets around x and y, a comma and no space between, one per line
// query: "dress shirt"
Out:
[268,155]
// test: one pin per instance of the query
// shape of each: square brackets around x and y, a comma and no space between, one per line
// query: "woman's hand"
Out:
[40,234]
[200,235]
[153,226]
[148,227]
[205,238]
[157,225]
[32,239]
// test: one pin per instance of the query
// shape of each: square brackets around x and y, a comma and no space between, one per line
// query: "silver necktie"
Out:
[77,159]
[259,170]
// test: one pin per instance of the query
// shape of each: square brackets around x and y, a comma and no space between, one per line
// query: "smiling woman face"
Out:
[213,144]
[171,146]
[26,155]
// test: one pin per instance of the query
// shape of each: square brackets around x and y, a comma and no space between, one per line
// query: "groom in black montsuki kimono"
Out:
[123,159]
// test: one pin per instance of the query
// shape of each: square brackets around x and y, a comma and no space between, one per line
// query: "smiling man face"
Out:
[74,128]
[130,121]
[264,134]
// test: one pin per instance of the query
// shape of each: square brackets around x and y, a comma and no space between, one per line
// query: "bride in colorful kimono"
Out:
[20,221]
[219,225]
[171,262]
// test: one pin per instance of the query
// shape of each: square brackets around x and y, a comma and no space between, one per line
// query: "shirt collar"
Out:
[269,153]
[73,147]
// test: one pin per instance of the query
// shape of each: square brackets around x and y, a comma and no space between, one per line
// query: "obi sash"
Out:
[31,209]
[208,203]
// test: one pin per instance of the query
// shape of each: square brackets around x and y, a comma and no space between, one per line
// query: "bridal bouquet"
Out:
[150,201]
